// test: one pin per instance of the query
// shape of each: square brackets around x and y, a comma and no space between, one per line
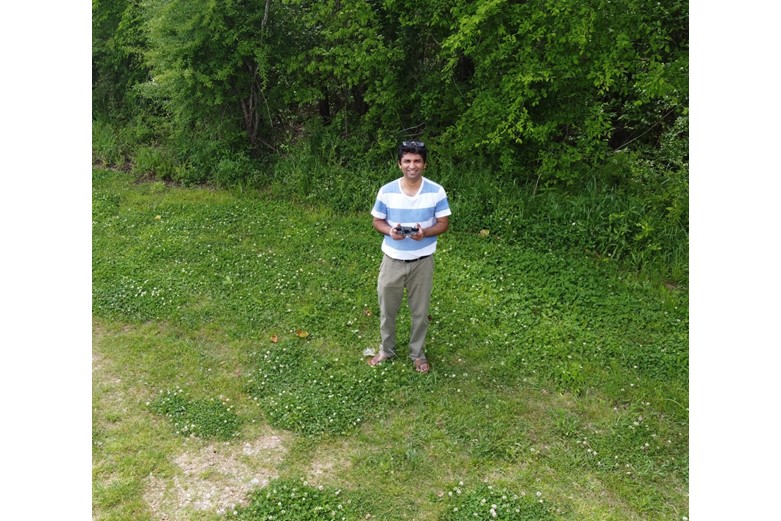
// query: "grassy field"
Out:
[229,380]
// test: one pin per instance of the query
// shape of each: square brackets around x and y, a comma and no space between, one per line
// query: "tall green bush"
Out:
[540,90]
[558,84]
[119,41]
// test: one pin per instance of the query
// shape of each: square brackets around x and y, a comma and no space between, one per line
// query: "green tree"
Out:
[558,84]
[344,65]
[118,44]
[215,64]
[542,91]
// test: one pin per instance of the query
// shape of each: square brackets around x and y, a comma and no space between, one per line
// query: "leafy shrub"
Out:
[207,418]
[632,227]
[234,171]
[153,161]
[304,175]
[108,145]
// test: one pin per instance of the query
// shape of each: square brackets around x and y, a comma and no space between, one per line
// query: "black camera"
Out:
[406,230]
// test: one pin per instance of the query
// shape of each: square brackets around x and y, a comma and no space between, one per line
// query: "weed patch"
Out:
[205,418]
[312,395]
[290,499]
[487,502]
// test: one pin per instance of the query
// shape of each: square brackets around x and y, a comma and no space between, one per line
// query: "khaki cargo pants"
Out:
[417,277]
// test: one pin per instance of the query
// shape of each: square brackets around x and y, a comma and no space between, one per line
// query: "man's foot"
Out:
[422,366]
[378,359]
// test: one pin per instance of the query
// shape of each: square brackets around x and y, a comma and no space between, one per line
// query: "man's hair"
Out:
[412,147]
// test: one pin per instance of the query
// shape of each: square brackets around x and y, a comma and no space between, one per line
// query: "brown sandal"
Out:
[422,366]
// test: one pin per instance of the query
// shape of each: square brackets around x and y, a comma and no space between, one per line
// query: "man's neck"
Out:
[409,186]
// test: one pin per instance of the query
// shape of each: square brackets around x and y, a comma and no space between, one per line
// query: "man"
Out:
[410,212]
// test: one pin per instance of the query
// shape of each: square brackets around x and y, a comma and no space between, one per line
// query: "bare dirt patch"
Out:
[217,477]
[201,477]
[328,464]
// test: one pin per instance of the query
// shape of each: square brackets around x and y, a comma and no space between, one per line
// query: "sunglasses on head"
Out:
[413,144]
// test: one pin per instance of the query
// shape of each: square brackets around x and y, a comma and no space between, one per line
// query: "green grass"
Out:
[206,418]
[555,377]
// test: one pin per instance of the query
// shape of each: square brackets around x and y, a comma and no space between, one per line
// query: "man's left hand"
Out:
[420,235]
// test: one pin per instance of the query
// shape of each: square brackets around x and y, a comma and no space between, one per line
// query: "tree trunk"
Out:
[324,107]
[250,108]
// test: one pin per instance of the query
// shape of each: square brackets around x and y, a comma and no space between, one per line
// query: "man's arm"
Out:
[382,226]
[440,227]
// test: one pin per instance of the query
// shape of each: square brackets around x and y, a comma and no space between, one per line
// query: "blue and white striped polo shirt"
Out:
[423,208]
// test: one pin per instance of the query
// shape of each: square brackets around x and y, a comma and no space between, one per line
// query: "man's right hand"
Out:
[395,235]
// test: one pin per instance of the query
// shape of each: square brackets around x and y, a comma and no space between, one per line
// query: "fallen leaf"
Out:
[367,312]
[158,217]
[274,339]
[484,233]
[301,333]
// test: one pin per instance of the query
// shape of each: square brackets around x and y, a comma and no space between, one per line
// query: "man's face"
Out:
[412,166]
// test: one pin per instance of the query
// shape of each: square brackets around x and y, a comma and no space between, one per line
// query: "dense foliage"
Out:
[525,96]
